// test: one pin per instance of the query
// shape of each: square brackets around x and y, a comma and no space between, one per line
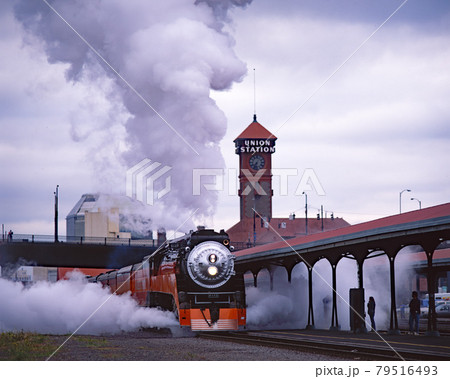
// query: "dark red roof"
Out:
[437,211]
[286,228]
[256,131]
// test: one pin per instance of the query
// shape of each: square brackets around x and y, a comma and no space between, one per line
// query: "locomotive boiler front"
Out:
[210,264]
[211,295]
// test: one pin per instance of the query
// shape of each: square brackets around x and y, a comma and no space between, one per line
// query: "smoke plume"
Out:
[172,53]
[61,307]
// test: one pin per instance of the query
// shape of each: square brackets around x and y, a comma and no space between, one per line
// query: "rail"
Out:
[343,344]
[38,238]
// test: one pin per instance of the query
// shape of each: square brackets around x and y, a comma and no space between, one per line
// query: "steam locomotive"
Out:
[192,276]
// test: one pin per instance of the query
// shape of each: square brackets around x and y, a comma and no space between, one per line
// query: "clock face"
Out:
[256,162]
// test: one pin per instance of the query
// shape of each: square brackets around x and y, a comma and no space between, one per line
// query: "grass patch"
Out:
[95,347]
[21,346]
[91,341]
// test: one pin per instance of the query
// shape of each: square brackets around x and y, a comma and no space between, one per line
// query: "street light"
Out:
[254,220]
[306,212]
[400,201]
[420,203]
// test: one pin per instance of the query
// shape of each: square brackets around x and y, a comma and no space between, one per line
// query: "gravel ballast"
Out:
[162,346]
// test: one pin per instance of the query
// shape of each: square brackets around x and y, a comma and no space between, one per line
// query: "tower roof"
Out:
[255,131]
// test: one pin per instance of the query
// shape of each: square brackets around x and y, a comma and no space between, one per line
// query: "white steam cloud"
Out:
[282,308]
[61,307]
[173,53]
[286,307]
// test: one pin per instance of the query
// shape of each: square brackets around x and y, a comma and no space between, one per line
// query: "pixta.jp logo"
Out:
[142,181]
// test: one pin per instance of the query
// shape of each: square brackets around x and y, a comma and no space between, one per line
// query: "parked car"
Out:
[443,310]
[438,305]
[403,310]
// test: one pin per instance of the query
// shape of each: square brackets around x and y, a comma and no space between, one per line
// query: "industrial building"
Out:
[102,216]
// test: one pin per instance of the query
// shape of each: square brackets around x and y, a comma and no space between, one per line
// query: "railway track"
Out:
[365,346]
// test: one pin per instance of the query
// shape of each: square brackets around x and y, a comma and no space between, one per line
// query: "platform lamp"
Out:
[254,220]
[400,199]
[306,212]
[420,203]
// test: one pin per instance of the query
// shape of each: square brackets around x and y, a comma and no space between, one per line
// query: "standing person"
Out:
[371,312]
[414,313]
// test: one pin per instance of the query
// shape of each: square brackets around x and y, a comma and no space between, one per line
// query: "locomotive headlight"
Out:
[212,270]
[210,264]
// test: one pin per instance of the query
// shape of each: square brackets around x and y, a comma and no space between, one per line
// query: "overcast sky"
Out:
[376,126]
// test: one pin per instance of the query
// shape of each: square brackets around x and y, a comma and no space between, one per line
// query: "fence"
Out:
[39,238]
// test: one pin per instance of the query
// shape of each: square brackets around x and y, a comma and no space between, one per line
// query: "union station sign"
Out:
[255,146]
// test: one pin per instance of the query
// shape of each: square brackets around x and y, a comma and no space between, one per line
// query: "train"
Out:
[193,276]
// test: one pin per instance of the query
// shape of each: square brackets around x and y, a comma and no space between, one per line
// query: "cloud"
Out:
[367,131]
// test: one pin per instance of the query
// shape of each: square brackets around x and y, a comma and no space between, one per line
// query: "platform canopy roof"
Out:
[434,218]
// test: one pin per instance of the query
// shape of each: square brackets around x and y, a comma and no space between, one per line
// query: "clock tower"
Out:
[255,146]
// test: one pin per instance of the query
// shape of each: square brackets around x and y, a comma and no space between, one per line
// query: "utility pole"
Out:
[254,220]
[56,213]
[306,212]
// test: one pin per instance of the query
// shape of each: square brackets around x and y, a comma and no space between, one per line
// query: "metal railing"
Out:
[244,245]
[38,238]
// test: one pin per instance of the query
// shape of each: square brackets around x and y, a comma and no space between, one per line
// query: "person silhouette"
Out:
[371,311]
[414,313]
